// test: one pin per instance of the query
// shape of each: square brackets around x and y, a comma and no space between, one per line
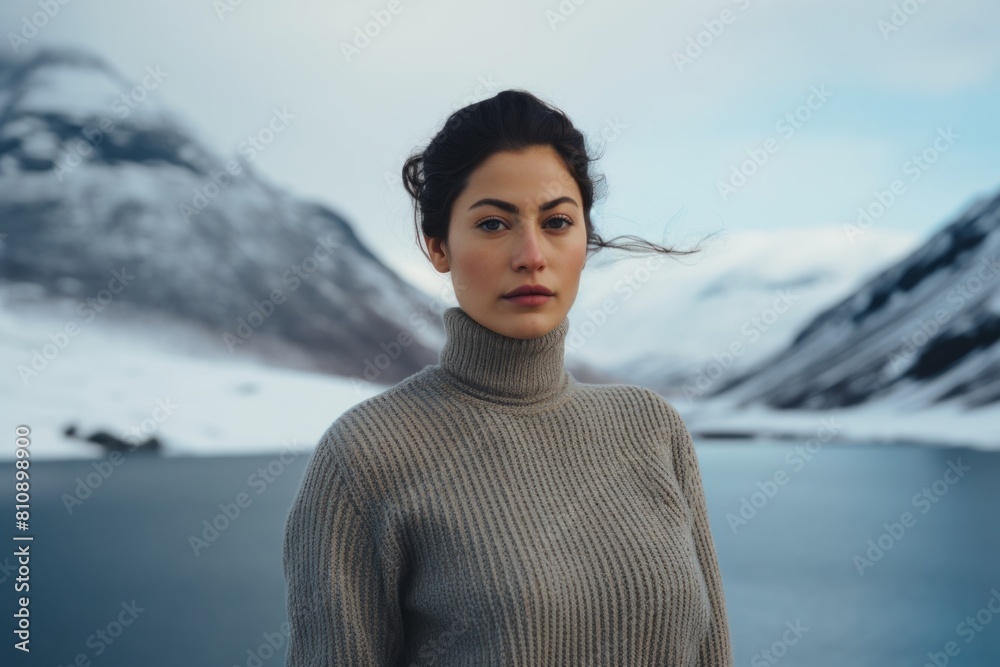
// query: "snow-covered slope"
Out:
[105,195]
[134,313]
[117,378]
[682,317]
[912,355]
[922,332]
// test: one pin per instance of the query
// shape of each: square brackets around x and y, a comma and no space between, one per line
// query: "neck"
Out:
[500,369]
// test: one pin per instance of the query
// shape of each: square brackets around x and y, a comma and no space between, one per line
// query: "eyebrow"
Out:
[511,208]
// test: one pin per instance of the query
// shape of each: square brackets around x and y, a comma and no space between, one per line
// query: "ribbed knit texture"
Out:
[492,510]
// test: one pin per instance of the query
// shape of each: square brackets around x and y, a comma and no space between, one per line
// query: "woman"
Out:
[490,509]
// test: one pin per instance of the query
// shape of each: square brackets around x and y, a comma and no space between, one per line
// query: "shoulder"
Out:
[372,433]
[412,399]
[645,415]
[633,400]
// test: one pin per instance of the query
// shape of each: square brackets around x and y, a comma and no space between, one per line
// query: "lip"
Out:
[528,299]
[525,290]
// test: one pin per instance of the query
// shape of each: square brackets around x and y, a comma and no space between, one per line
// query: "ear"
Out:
[438,251]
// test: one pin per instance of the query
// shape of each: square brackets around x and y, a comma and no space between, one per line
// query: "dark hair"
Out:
[511,120]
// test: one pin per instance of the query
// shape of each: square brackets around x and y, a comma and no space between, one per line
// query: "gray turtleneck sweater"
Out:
[492,510]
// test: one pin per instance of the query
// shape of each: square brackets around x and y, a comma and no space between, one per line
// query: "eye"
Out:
[490,220]
[563,218]
[569,223]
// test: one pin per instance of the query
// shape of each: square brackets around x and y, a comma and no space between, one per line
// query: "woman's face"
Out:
[518,222]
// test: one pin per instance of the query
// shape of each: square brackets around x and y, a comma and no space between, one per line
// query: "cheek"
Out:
[475,267]
[581,254]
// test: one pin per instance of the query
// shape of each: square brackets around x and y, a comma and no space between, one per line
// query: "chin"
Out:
[530,324]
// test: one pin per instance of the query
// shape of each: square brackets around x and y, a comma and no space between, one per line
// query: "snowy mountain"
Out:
[155,297]
[106,197]
[911,356]
[135,274]
[923,332]
[114,378]
[746,290]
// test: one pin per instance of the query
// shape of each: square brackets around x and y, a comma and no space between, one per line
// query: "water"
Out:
[797,561]
[790,565]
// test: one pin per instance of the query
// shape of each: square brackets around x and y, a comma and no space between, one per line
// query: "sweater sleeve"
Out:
[716,649]
[341,596]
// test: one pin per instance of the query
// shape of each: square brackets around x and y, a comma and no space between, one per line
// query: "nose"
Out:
[528,251]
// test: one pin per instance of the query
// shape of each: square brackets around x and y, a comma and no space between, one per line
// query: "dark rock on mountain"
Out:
[923,331]
[105,196]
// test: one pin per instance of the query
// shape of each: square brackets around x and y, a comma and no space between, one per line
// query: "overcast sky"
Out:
[883,88]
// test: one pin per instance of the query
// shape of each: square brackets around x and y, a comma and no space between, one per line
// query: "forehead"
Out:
[530,175]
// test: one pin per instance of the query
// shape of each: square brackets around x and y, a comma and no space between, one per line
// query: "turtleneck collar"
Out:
[500,369]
